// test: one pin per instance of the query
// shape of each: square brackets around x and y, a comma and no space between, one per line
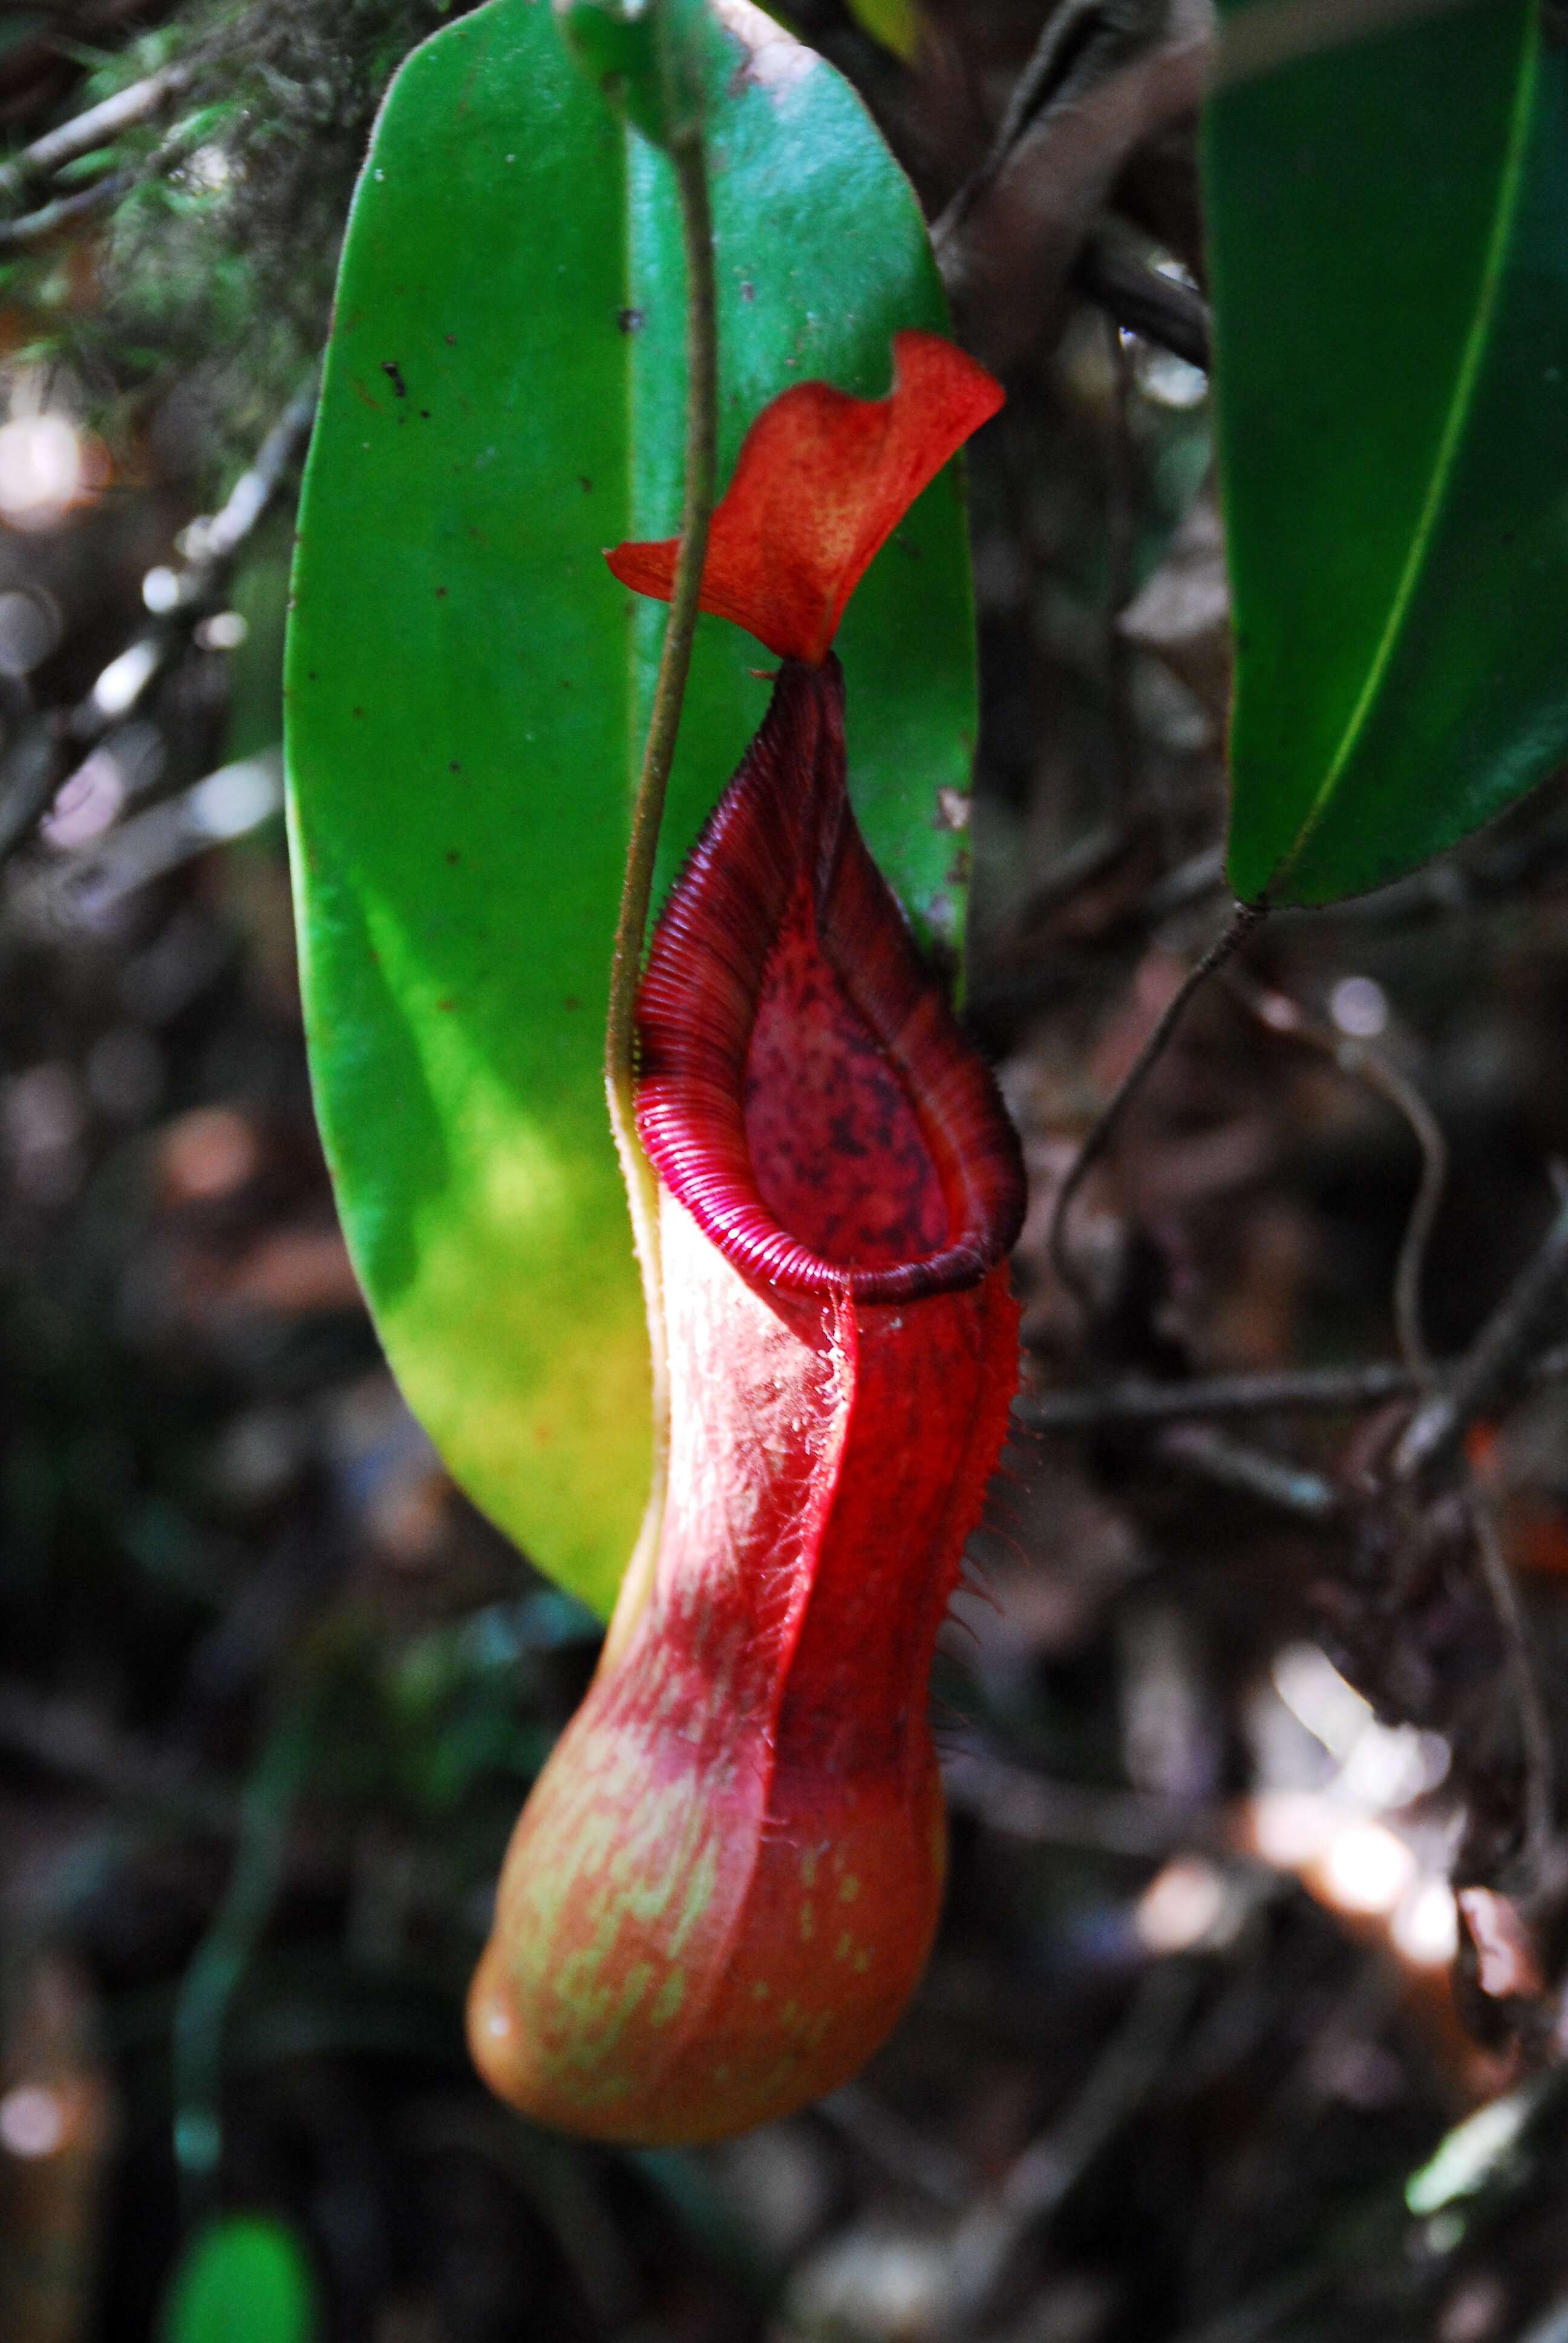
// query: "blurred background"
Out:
[1243,2017]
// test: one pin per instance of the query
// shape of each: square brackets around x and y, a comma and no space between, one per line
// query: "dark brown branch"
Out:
[1244,920]
[67,212]
[1535,1726]
[1022,1804]
[210,546]
[1280,1015]
[1068,31]
[1036,2183]
[1161,309]
[27,764]
[1307,1391]
[1275,1481]
[34,762]
[1494,1361]
[138,102]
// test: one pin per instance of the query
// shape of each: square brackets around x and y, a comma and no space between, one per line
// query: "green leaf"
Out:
[241,2279]
[896,24]
[504,396]
[1388,226]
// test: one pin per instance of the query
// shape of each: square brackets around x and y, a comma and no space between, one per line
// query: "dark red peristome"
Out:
[822,480]
[803,1089]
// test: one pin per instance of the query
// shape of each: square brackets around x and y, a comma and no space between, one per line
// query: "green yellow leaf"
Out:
[504,396]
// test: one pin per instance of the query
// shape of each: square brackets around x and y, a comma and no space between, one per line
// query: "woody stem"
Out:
[648,806]
[1244,920]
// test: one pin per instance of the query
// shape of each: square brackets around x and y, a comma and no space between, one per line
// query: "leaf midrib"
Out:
[1448,448]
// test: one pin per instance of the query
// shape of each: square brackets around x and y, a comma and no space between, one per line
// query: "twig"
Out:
[81,888]
[1307,1391]
[648,809]
[211,542]
[1022,1804]
[210,546]
[221,1959]
[1493,1360]
[64,212]
[1280,1014]
[71,1740]
[71,211]
[1534,1728]
[1199,875]
[1243,920]
[1251,1471]
[1070,33]
[1087,859]
[1260,2317]
[136,103]
[1121,547]
[906,2155]
[1081,865]
[1144,302]
[1411,1267]
[32,765]
[28,763]
[1126,2072]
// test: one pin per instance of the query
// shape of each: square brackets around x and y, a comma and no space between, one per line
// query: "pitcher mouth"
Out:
[781,915]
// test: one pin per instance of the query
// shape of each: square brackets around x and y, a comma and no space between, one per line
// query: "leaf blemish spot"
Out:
[453,855]
[394,375]
[630,321]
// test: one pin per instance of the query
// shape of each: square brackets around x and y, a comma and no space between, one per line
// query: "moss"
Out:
[213,269]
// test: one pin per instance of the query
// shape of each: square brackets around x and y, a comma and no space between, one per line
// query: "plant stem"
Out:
[1493,1362]
[647,808]
[1242,922]
[1358,1058]
[1540,1800]
[218,1964]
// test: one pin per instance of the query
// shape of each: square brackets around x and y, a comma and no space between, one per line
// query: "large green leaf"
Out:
[1389,237]
[504,395]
